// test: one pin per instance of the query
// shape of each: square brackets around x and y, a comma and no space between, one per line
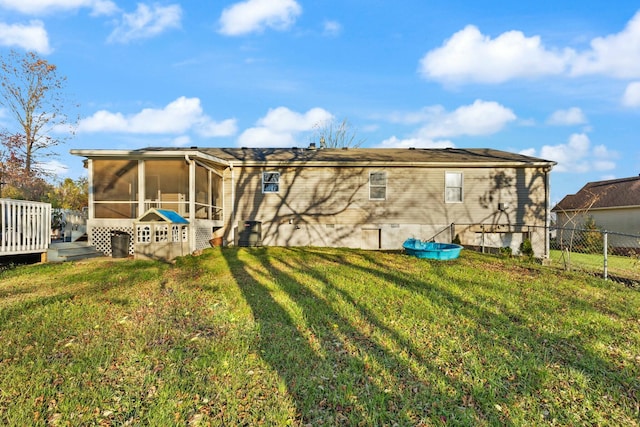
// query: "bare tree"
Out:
[33,93]
[578,216]
[329,134]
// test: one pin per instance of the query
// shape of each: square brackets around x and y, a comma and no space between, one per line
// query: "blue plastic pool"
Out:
[431,250]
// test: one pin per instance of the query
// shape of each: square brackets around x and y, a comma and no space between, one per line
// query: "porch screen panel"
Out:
[115,188]
[167,185]
[203,191]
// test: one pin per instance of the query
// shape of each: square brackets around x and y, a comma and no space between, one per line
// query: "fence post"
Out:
[604,252]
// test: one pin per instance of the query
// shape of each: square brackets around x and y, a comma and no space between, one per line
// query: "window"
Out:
[270,182]
[377,185]
[453,187]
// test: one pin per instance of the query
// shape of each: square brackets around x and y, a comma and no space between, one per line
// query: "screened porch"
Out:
[125,189]
[121,190]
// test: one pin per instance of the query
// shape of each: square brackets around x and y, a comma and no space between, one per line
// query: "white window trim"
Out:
[378,186]
[277,183]
[461,187]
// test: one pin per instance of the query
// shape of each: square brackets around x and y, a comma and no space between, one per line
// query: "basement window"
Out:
[453,187]
[270,182]
[377,185]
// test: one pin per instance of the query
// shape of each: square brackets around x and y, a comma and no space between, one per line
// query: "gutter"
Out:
[394,164]
[137,154]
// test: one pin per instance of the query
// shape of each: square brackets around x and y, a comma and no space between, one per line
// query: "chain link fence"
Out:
[590,250]
[610,255]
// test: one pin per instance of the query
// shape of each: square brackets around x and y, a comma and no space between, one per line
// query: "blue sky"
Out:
[557,80]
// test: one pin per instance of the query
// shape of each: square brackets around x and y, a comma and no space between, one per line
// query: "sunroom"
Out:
[123,185]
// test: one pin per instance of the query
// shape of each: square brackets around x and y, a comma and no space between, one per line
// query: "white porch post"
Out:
[142,187]
[91,189]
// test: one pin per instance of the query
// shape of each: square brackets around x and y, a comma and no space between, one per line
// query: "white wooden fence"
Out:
[25,227]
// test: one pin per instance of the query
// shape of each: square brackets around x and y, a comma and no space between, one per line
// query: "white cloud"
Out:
[394,142]
[39,7]
[146,22]
[615,55]
[572,116]
[265,137]
[331,28]
[181,141]
[479,118]
[180,116]
[631,97]
[470,56]
[437,124]
[54,167]
[283,119]
[255,15]
[209,128]
[577,155]
[31,37]
[280,127]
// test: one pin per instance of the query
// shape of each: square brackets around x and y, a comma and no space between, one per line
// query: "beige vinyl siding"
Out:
[413,195]
[624,220]
[314,197]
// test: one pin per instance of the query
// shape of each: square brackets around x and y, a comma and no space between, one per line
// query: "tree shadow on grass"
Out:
[102,282]
[338,369]
[509,331]
[521,365]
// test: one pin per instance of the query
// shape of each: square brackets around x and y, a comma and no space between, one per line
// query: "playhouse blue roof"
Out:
[172,216]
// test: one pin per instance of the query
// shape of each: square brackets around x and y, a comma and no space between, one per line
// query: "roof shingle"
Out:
[611,193]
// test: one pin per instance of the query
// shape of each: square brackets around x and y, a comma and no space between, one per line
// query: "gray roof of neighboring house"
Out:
[417,156]
[612,193]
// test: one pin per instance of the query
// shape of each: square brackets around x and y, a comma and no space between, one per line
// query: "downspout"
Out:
[232,216]
[547,213]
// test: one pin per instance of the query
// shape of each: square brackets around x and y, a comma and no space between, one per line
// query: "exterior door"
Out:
[371,238]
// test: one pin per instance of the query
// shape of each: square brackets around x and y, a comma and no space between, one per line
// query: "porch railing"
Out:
[25,227]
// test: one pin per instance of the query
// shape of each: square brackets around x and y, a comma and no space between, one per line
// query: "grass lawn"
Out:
[622,266]
[292,336]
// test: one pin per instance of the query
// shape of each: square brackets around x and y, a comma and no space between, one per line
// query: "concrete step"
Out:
[71,251]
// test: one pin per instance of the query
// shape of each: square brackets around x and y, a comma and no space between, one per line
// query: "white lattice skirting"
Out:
[203,236]
[100,237]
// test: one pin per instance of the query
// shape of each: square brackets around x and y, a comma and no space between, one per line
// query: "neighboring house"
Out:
[359,198]
[613,204]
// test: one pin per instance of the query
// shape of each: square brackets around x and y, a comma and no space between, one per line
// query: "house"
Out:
[359,198]
[613,204]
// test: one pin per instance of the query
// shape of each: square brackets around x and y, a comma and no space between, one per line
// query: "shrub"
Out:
[506,252]
[526,249]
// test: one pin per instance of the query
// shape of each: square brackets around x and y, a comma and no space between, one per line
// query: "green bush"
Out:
[506,252]
[592,241]
[526,249]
